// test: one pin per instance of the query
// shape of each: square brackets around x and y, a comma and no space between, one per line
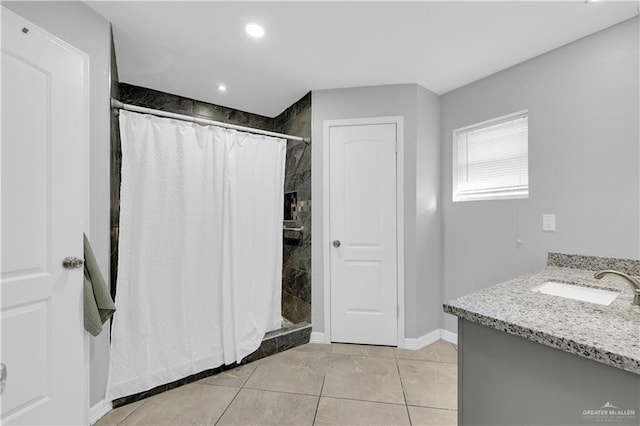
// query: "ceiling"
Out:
[188,48]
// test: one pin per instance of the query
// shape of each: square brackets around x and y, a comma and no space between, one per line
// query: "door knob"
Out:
[3,377]
[336,243]
[72,262]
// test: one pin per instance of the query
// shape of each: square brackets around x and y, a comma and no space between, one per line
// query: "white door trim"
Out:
[326,237]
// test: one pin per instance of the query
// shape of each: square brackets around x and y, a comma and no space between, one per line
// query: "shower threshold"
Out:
[297,333]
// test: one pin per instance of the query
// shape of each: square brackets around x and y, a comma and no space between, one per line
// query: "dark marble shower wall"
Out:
[116,162]
[296,269]
[296,120]
[141,96]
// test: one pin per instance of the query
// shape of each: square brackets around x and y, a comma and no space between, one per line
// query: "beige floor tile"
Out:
[432,417]
[362,350]
[429,384]
[117,415]
[362,385]
[332,411]
[363,378]
[291,371]
[439,351]
[256,407]
[193,404]
[235,377]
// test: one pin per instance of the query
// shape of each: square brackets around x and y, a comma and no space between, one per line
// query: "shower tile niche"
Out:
[291,208]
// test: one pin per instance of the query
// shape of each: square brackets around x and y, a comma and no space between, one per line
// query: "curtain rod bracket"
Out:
[116,104]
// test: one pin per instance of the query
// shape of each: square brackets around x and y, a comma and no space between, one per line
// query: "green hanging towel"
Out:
[98,305]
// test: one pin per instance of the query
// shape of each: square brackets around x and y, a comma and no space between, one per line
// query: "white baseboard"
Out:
[429,338]
[99,410]
[449,336]
[317,337]
[422,341]
[409,343]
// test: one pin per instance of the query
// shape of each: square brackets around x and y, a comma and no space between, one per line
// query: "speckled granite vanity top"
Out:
[607,334]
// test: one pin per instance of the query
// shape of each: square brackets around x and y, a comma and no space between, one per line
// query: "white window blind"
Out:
[491,159]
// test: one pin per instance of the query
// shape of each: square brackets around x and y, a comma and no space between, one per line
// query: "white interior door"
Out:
[43,129]
[363,230]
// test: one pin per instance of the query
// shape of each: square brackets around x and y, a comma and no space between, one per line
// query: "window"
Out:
[490,159]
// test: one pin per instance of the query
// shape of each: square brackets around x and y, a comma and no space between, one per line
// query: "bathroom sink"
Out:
[577,292]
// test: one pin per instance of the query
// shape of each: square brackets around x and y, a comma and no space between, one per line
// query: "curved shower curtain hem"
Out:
[164,377]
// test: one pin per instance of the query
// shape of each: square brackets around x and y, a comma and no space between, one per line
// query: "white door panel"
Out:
[43,132]
[363,218]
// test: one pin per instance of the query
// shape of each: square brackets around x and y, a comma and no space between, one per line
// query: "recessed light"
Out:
[254,30]
[590,1]
[222,88]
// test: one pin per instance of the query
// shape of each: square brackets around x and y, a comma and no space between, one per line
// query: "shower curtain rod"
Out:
[120,105]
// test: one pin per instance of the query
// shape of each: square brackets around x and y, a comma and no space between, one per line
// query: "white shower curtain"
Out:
[200,251]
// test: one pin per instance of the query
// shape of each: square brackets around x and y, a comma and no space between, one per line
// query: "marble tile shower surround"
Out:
[294,120]
[154,99]
[296,270]
[149,98]
[296,300]
[115,166]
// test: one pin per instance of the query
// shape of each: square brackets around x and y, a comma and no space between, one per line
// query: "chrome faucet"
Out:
[633,282]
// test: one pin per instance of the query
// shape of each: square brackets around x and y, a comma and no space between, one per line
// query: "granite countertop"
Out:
[606,334]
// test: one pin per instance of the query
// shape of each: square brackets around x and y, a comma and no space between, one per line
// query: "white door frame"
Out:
[326,237]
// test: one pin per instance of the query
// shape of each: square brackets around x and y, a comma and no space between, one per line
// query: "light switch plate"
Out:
[549,222]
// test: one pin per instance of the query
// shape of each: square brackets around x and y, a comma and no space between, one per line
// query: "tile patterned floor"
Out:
[335,384]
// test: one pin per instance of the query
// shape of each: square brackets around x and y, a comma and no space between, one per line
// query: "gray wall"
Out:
[419,107]
[80,26]
[428,232]
[583,162]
